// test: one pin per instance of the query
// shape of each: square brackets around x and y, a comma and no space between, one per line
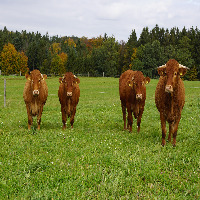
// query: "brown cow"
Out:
[132,92]
[68,94]
[35,96]
[170,97]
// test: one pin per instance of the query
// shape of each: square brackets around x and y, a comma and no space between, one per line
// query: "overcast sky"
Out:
[92,18]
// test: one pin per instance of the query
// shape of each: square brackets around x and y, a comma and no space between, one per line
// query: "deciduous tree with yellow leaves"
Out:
[11,61]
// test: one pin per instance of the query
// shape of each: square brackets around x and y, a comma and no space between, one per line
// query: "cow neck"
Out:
[68,106]
[36,98]
[172,104]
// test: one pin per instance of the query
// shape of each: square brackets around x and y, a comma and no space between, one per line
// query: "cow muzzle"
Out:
[169,89]
[36,92]
[139,96]
[69,94]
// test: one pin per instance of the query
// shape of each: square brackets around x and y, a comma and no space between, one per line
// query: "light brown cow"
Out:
[68,94]
[132,92]
[35,96]
[170,97]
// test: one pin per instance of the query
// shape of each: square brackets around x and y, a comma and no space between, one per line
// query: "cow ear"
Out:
[182,70]
[77,80]
[130,83]
[44,76]
[28,77]
[147,80]
[162,70]
[60,79]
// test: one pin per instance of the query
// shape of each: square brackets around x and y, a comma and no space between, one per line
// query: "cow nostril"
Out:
[69,94]
[35,92]
[138,96]
[169,88]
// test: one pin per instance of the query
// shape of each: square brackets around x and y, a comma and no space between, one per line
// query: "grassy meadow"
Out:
[96,159]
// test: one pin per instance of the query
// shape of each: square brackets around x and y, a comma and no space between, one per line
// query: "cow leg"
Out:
[39,117]
[72,117]
[130,118]
[124,115]
[30,118]
[64,117]
[139,119]
[163,126]
[171,128]
[175,130]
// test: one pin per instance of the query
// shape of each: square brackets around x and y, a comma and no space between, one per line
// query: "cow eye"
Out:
[175,73]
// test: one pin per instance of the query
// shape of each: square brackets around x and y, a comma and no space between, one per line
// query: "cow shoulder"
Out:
[27,93]
[43,88]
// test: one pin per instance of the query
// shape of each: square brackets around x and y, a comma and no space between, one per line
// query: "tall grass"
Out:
[96,159]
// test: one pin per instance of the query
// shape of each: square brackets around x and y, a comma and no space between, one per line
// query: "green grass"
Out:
[96,159]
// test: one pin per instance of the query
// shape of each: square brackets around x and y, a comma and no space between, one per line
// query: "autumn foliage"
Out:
[101,55]
[11,61]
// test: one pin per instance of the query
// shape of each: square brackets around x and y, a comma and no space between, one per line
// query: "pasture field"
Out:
[97,159]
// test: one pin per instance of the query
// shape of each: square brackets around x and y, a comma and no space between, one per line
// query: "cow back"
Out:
[69,84]
[164,99]
[131,84]
[28,89]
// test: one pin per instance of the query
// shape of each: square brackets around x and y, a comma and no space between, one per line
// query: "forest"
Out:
[104,55]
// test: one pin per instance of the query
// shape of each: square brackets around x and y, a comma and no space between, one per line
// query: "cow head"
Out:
[172,70]
[35,78]
[69,80]
[137,83]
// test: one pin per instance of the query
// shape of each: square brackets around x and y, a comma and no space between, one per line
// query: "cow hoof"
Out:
[163,144]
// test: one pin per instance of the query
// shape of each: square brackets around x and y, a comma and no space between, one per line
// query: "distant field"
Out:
[96,159]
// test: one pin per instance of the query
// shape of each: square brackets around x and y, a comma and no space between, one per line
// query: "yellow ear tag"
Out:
[147,82]
[43,79]
[181,73]
[29,79]
[129,85]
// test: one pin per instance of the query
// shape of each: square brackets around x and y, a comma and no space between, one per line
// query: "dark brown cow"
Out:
[68,94]
[170,97]
[35,96]
[132,92]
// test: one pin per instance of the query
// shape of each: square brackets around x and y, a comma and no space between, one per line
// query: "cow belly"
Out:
[34,108]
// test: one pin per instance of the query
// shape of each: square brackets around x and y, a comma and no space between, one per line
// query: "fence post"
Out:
[4,92]
[88,74]
[103,74]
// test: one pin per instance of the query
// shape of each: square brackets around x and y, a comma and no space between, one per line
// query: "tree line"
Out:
[23,51]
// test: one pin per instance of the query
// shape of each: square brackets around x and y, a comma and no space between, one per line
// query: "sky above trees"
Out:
[93,18]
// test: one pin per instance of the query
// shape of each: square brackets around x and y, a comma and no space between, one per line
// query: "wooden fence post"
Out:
[4,92]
